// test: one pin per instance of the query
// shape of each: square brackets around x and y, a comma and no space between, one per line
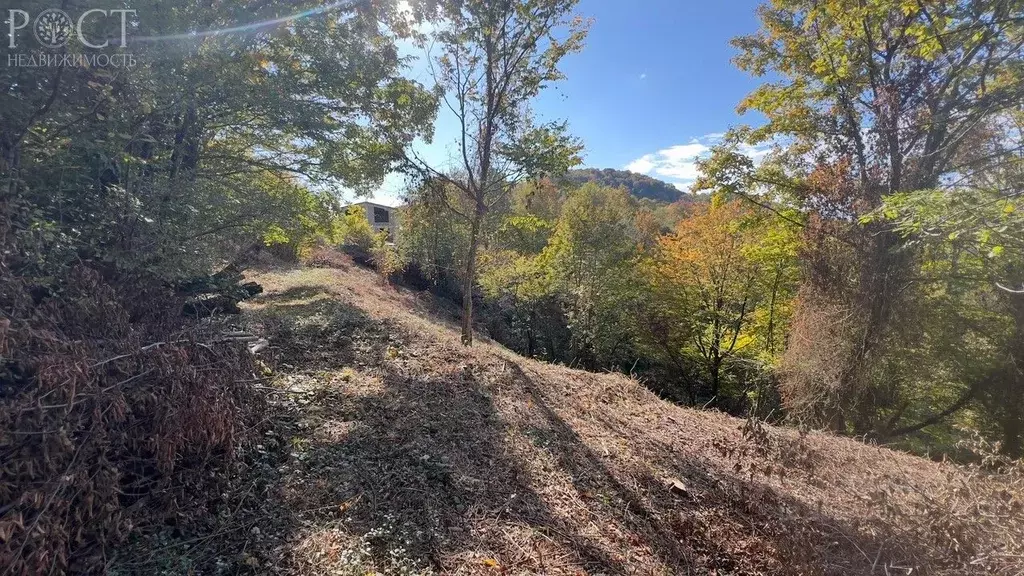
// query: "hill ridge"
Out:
[638,185]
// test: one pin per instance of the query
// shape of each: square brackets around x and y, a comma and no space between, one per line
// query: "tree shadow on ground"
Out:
[301,292]
[423,460]
[709,522]
[309,329]
[409,460]
[392,452]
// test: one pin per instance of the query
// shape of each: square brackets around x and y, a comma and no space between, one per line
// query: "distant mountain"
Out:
[638,185]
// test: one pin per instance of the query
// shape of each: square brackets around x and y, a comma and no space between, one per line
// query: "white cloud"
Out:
[643,75]
[641,165]
[757,153]
[678,164]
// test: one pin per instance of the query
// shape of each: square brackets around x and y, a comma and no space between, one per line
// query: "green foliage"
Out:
[984,224]
[386,257]
[118,187]
[566,286]
[433,238]
[844,69]
[867,104]
[722,288]
[971,294]
[495,58]
[525,234]
[207,145]
[353,229]
[584,276]
[590,258]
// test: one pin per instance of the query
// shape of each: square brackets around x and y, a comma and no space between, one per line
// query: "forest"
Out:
[864,278]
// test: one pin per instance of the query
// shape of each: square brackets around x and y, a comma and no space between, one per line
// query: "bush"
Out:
[385,256]
[355,229]
[114,416]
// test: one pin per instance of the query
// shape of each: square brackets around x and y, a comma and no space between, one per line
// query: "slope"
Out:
[639,185]
[390,449]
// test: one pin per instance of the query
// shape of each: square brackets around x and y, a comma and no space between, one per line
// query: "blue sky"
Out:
[650,90]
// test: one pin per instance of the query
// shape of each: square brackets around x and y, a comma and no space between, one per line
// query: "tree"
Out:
[197,152]
[354,229]
[119,185]
[639,185]
[972,286]
[495,58]
[722,284]
[386,257]
[868,99]
[590,260]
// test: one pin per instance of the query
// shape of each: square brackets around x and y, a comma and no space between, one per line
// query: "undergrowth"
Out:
[115,418]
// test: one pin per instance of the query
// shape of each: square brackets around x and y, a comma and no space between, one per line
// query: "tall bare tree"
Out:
[494,58]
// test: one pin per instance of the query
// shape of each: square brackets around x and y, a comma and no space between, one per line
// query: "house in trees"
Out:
[381,217]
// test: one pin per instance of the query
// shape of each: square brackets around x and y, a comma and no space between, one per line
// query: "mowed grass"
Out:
[391,449]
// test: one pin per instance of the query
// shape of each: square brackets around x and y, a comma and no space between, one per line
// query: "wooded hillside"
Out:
[638,185]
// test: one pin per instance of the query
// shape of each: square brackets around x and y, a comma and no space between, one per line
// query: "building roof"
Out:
[373,204]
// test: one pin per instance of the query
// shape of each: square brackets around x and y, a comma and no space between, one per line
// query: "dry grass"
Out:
[393,450]
[116,416]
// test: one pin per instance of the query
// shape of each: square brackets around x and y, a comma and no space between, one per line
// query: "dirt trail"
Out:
[390,449]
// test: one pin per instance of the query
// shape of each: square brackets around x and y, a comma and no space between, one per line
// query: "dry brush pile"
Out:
[114,416]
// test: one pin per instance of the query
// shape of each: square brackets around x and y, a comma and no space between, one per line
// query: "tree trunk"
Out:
[715,350]
[716,371]
[467,284]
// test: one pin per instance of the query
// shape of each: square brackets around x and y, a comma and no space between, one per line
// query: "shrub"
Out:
[385,256]
[355,229]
